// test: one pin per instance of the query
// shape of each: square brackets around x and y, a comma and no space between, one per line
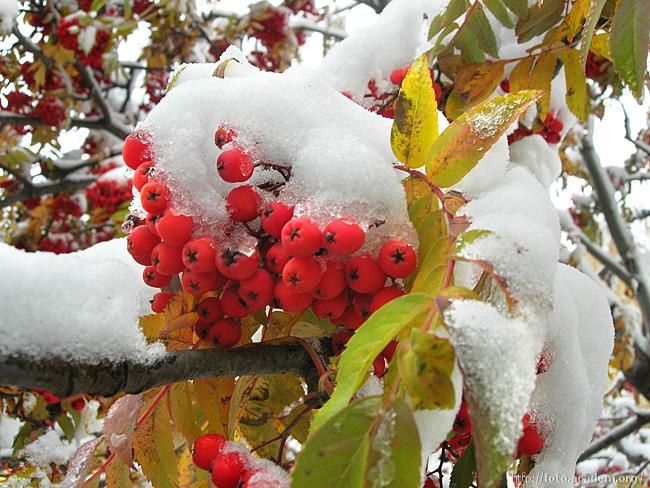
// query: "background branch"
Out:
[613,436]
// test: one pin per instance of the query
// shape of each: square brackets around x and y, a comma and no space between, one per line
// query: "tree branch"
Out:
[106,379]
[628,134]
[47,188]
[613,436]
[377,5]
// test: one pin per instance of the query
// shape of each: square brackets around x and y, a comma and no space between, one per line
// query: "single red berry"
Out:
[154,197]
[155,279]
[236,265]
[141,176]
[257,291]
[140,243]
[505,85]
[339,340]
[431,483]
[364,275]
[167,259]
[530,443]
[160,300]
[332,283]
[397,259]
[234,165]
[276,258]
[361,304]
[459,442]
[379,366]
[198,284]
[136,150]
[50,398]
[383,296]
[243,203]
[301,237]
[389,350]
[552,137]
[198,255]
[232,304]
[302,274]
[274,216]
[227,470]
[202,330]
[351,318]
[289,300]
[343,237]
[463,422]
[224,333]
[78,405]
[397,76]
[151,221]
[175,230]
[206,448]
[331,309]
[224,135]
[209,310]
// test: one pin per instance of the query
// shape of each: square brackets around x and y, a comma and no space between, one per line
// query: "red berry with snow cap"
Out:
[301,237]
[235,165]
[227,470]
[175,230]
[224,135]
[224,333]
[397,259]
[140,244]
[154,197]
[274,216]
[383,296]
[206,448]
[141,176]
[153,278]
[343,237]
[160,301]
[302,275]
[236,265]
[198,255]
[331,309]
[136,150]
[289,300]
[332,283]
[257,291]
[198,284]
[243,203]
[364,275]
[276,258]
[167,259]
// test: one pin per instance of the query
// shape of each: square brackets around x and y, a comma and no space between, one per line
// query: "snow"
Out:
[82,306]
[536,155]
[8,12]
[568,398]
[49,448]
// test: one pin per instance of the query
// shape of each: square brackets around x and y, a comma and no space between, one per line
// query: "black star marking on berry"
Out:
[398,256]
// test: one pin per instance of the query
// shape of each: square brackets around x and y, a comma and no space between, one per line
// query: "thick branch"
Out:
[89,123]
[613,436]
[606,259]
[106,379]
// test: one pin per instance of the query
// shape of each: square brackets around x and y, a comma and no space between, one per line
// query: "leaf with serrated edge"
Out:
[499,10]
[462,475]
[462,145]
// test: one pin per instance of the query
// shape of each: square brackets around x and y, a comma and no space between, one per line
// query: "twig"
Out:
[613,436]
[628,133]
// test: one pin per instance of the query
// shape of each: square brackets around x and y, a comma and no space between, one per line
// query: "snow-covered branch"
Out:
[628,427]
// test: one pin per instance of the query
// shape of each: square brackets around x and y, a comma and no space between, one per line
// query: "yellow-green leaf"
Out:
[213,398]
[181,409]
[462,145]
[416,116]
[117,475]
[431,271]
[576,94]
[600,45]
[541,78]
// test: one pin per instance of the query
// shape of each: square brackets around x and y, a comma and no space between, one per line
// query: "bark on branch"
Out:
[106,379]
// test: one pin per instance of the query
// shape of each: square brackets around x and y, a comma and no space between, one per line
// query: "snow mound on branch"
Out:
[568,397]
[8,12]
[339,154]
[535,154]
[97,298]
[49,448]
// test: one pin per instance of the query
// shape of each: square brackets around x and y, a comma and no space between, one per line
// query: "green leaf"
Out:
[499,10]
[416,116]
[353,450]
[66,425]
[540,19]
[97,5]
[628,42]
[462,475]
[479,27]
[431,272]
[462,145]
[541,78]
[425,365]
[576,95]
[454,9]
[364,346]
[593,14]
[517,7]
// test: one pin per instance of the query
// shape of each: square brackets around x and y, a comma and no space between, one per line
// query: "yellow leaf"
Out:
[600,45]
[541,78]
[117,475]
[576,94]
[213,398]
[181,409]
[520,75]
[476,82]
[462,145]
[416,116]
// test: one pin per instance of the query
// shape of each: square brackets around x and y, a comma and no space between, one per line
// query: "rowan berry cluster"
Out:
[67,32]
[550,129]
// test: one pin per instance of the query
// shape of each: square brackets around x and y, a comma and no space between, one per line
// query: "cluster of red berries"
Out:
[155,84]
[550,130]
[67,33]
[108,195]
[269,24]
[229,468]
[51,399]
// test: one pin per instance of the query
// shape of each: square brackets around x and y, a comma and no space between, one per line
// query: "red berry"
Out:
[383,296]
[542,364]
[463,422]
[197,283]
[232,304]
[289,300]
[202,330]
[175,230]
[209,310]
[431,483]
[198,255]
[224,333]
[78,405]
[331,309]
[530,443]
[160,300]
[135,150]
[379,366]
[206,448]
[361,304]
[224,135]
[154,197]
[302,274]
[227,470]
[140,243]
[343,237]
[243,203]
[274,216]
[50,398]
[151,221]
[167,259]
[155,279]
[236,265]
[257,291]
[459,442]
[397,259]
[234,165]
[397,76]
[339,340]
[389,350]
[276,258]
[141,176]
[351,318]
[301,237]
[505,85]
[364,275]
[332,283]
